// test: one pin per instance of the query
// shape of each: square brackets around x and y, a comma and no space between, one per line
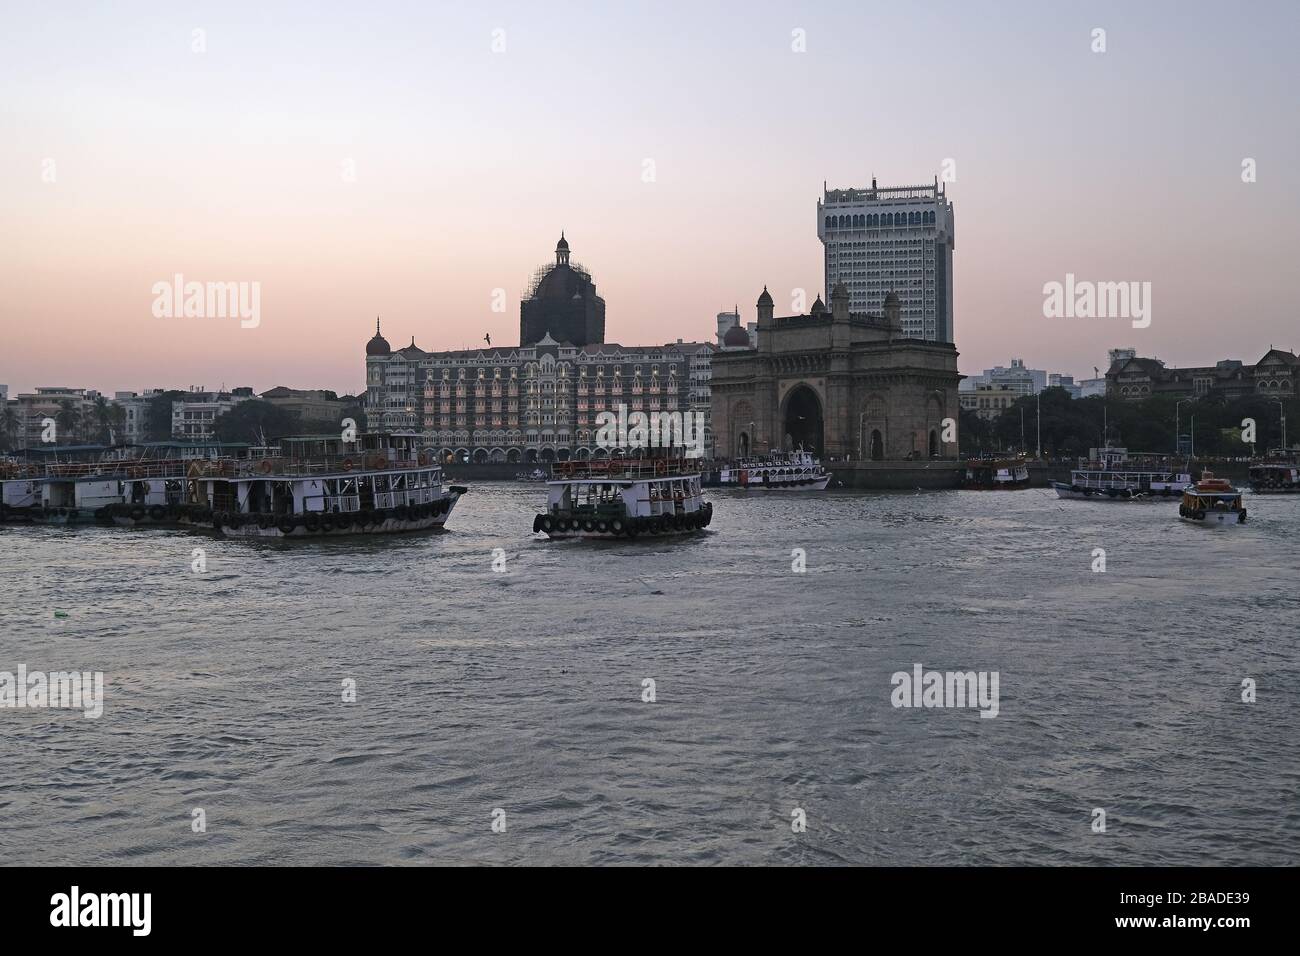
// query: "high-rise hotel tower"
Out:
[894,239]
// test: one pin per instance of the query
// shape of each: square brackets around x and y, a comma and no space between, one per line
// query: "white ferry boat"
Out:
[1212,502]
[987,474]
[792,471]
[623,499]
[315,486]
[1108,474]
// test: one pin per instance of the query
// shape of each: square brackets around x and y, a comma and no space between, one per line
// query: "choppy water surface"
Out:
[522,690]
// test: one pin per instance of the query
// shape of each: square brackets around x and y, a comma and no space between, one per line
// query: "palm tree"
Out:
[10,427]
[103,413]
[69,419]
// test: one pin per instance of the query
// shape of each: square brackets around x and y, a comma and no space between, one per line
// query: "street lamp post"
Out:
[1177,427]
[1038,454]
[1281,410]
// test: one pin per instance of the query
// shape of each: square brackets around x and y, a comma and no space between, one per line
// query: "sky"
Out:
[408,160]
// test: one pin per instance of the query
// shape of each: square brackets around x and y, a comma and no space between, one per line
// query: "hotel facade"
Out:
[537,402]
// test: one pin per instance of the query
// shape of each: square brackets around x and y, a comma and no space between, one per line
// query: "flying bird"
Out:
[488,339]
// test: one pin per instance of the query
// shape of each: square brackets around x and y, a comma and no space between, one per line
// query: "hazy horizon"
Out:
[233,164]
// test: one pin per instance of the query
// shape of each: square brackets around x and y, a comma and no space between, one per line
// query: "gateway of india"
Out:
[846,386]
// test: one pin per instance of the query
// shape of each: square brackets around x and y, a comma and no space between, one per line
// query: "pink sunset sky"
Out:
[127,156]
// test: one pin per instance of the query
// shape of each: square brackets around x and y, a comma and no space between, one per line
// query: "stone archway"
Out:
[512,456]
[742,445]
[802,422]
[877,445]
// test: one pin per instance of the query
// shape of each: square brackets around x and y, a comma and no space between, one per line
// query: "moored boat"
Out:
[1275,478]
[316,486]
[1108,474]
[1212,502]
[791,471]
[623,499]
[991,474]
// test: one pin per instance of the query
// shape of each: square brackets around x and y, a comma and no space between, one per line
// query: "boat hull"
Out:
[1214,519]
[567,526]
[815,484]
[299,532]
[311,526]
[1112,494]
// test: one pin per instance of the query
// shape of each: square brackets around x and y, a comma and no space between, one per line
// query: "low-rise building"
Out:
[1275,375]
[313,406]
[990,401]
[193,416]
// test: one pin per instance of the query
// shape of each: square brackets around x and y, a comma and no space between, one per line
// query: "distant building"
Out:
[47,402]
[316,407]
[1275,375]
[836,383]
[192,417]
[733,335]
[562,303]
[538,402]
[988,401]
[1058,380]
[136,411]
[897,239]
[1024,381]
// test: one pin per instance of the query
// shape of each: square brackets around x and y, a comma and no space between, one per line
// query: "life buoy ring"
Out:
[424,459]
[380,463]
[615,468]
[265,466]
[661,467]
[347,464]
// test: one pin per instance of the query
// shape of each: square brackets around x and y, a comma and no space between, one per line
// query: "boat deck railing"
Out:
[307,467]
[124,469]
[634,469]
[1080,477]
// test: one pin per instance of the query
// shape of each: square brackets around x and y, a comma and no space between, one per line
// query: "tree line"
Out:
[1212,424]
